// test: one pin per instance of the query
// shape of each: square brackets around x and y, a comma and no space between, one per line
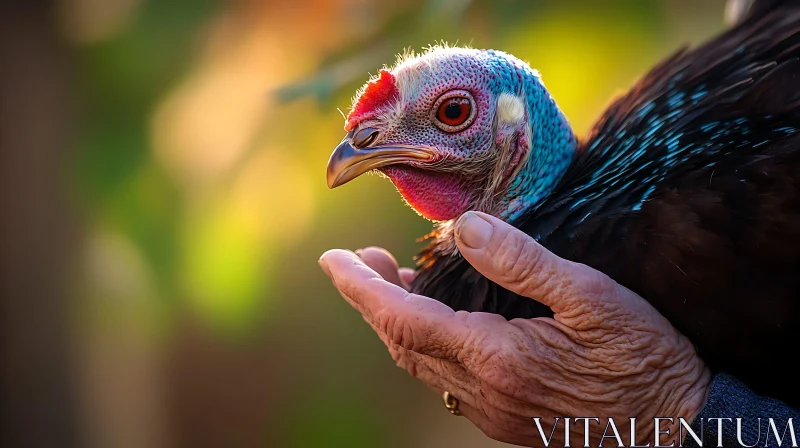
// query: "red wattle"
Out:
[436,196]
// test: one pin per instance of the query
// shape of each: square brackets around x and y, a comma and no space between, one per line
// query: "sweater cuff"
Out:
[731,405]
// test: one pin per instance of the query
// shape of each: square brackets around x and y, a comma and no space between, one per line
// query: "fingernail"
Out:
[473,230]
[324,267]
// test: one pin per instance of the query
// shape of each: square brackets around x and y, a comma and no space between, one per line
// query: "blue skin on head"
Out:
[553,143]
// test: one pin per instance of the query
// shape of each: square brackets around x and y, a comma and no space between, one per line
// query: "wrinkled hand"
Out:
[606,352]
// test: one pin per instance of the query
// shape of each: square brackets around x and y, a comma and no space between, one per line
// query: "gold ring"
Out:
[451,403]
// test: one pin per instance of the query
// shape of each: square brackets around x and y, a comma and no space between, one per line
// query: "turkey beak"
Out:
[347,163]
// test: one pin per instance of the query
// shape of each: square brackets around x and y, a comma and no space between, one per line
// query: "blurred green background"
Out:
[164,204]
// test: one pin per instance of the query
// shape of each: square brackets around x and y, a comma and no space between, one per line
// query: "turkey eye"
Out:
[454,111]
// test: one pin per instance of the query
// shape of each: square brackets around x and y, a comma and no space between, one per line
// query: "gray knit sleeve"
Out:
[729,400]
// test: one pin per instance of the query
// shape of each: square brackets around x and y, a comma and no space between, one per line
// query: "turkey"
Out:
[686,191]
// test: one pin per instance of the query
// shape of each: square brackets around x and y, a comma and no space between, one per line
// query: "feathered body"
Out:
[688,193]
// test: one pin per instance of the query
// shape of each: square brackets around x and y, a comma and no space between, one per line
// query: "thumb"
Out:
[515,261]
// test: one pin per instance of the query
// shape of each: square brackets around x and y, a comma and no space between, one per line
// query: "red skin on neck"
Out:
[436,196]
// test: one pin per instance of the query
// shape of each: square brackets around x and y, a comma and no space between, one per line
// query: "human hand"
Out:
[605,353]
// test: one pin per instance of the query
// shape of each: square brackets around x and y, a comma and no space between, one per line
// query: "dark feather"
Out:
[687,192]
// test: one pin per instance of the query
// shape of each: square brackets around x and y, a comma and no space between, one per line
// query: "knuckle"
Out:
[530,261]
[508,252]
[398,330]
[391,326]
[521,263]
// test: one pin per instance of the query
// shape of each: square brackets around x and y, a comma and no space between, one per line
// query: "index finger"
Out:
[414,322]
[363,287]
